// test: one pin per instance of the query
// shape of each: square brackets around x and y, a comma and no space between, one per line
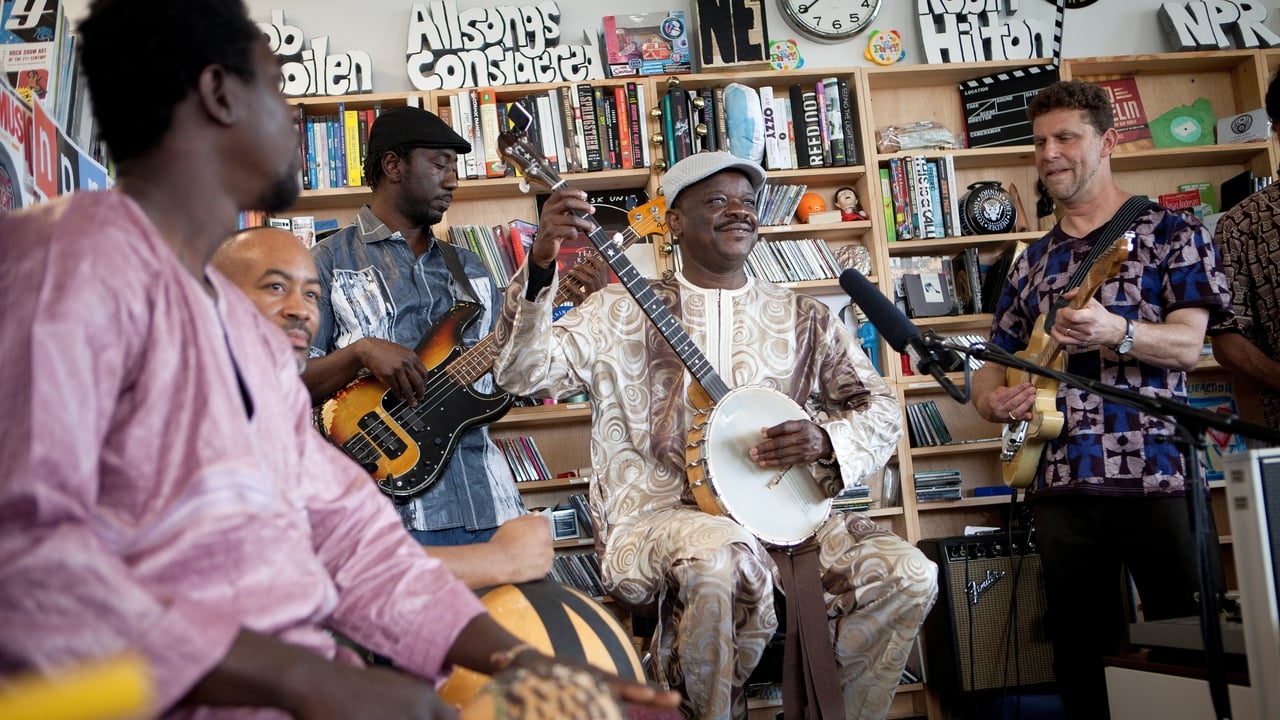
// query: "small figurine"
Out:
[847,200]
[868,338]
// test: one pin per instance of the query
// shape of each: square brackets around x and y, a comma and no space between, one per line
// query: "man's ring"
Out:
[1012,416]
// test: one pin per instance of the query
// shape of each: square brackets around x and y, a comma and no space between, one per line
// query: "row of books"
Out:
[920,198]
[802,125]
[795,260]
[934,485]
[924,285]
[784,261]
[578,570]
[580,127]
[777,203]
[501,249]
[853,499]
[334,146]
[925,426]
[39,58]
[969,339]
[524,458]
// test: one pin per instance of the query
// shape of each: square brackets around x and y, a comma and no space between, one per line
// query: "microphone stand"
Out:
[1190,425]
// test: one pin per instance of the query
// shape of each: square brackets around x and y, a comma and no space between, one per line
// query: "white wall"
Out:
[379,27]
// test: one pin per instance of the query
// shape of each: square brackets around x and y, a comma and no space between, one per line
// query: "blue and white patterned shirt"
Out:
[376,287]
[1107,448]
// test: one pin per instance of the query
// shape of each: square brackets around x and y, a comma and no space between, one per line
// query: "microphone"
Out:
[900,333]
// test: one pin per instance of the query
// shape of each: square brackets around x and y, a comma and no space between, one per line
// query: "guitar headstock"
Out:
[515,147]
[649,218]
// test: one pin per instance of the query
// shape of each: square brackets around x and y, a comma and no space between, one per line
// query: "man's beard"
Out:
[282,194]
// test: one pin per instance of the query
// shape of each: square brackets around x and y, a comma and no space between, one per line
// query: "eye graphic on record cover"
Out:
[611,212]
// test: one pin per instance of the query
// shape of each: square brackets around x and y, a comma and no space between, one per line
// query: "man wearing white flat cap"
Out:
[711,579]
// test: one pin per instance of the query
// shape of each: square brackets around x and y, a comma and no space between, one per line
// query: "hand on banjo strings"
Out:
[586,277]
[794,442]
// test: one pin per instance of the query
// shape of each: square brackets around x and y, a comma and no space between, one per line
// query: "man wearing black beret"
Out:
[387,279]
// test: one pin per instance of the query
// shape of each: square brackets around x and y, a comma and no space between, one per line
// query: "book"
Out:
[1126,108]
[1181,200]
[579,503]
[612,207]
[569,138]
[625,154]
[848,108]
[351,146]
[772,150]
[590,127]
[467,162]
[924,199]
[1208,198]
[835,121]
[607,125]
[520,237]
[904,227]
[994,281]
[487,104]
[968,280]
[886,197]
[15,185]
[29,48]
[928,294]
[1236,188]
[1215,396]
[824,128]
[808,133]
[304,228]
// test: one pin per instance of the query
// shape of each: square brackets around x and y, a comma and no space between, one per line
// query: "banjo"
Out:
[782,507]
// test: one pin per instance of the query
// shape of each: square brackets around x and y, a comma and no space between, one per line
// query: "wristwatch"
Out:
[1125,345]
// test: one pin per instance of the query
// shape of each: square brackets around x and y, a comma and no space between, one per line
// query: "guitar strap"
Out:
[455,266]
[1128,213]
[809,660]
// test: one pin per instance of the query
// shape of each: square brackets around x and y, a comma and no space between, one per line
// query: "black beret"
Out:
[407,126]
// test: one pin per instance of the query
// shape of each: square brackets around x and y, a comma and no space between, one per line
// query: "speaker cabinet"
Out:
[987,630]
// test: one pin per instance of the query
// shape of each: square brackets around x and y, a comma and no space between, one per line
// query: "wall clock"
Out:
[830,20]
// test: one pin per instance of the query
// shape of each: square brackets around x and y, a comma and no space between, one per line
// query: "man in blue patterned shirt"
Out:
[1110,489]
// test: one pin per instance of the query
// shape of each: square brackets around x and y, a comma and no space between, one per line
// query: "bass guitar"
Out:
[1023,441]
[406,448]
[784,507]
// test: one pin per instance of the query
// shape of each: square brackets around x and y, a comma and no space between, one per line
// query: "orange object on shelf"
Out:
[810,202]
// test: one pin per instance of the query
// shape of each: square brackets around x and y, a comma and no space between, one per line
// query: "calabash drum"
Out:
[559,621]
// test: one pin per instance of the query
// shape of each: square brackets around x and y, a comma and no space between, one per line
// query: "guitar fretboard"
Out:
[478,359]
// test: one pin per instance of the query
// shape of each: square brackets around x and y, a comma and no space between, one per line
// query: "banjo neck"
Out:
[658,313]
[516,147]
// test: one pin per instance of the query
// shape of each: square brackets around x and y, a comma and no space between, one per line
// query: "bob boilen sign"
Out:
[313,71]
[503,45]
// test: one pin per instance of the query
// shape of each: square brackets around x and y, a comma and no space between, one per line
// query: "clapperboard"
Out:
[995,106]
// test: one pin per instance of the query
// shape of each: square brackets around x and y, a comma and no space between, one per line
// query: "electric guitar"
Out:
[1023,441]
[406,448]
[783,508]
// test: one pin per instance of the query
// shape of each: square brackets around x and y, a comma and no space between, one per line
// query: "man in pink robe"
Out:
[160,489]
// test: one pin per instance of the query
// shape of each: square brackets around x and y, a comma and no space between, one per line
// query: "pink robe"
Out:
[142,508]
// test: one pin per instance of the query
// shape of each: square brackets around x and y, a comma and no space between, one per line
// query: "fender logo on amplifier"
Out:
[975,589]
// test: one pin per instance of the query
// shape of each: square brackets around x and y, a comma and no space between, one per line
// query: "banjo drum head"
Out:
[783,513]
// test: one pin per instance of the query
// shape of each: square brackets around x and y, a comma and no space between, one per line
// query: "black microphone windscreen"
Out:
[893,326]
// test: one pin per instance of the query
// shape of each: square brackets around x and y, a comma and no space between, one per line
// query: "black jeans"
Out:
[1084,544]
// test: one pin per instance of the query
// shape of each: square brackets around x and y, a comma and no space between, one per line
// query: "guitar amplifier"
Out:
[987,631]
